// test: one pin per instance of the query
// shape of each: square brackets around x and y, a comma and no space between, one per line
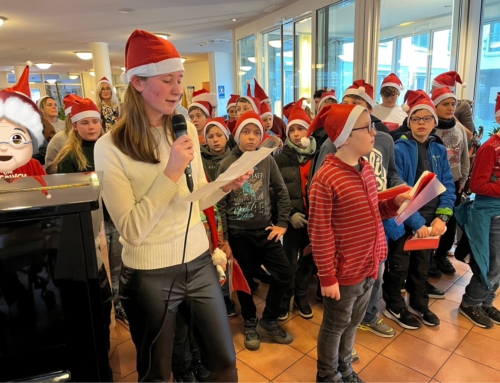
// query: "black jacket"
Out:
[211,161]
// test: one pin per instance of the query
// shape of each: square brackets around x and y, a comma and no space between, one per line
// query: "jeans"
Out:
[476,293]
[371,310]
[115,259]
[144,295]
[251,248]
[338,328]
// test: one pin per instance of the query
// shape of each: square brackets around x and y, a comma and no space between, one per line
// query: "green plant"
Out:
[493,131]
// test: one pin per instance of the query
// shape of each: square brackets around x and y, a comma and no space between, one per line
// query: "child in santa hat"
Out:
[389,111]
[267,117]
[202,108]
[216,135]
[247,104]
[417,151]
[328,97]
[346,233]
[279,126]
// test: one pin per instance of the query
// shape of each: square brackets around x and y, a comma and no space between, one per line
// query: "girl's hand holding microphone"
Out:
[181,154]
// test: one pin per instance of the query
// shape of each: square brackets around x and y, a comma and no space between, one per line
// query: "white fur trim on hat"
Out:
[435,84]
[349,124]
[245,123]
[202,107]
[324,99]
[422,106]
[85,114]
[296,122]
[443,97]
[22,113]
[255,107]
[394,85]
[211,98]
[154,69]
[217,124]
[67,111]
[361,93]
[497,113]
[263,115]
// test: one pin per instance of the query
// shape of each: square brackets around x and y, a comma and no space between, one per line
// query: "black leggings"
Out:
[144,295]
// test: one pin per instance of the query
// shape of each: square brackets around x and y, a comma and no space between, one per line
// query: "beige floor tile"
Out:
[383,369]
[248,374]
[447,311]
[446,335]
[491,333]
[455,293]
[238,332]
[441,284]
[127,357]
[459,265]
[305,333]
[130,378]
[464,279]
[460,369]
[454,277]
[481,349]
[372,341]
[318,313]
[122,332]
[304,370]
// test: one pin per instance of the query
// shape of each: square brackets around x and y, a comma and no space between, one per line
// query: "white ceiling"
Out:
[51,30]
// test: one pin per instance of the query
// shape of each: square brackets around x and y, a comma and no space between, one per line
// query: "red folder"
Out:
[393,192]
[427,243]
[237,279]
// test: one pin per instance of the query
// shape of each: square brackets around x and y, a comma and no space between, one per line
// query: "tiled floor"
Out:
[456,351]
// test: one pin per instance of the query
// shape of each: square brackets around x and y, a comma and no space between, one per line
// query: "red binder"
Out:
[393,192]
[427,243]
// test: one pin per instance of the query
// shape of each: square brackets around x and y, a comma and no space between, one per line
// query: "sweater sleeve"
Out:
[280,193]
[480,182]
[464,115]
[447,198]
[464,159]
[54,147]
[133,219]
[321,233]
[388,208]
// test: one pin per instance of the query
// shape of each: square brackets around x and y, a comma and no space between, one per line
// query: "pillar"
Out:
[100,58]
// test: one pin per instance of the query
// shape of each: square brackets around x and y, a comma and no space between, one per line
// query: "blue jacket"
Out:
[406,156]
[475,218]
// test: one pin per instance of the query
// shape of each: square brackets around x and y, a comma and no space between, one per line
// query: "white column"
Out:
[4,83]
[18,70]
[100,58]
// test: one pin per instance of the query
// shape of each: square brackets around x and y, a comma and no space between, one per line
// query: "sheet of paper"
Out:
[245,163]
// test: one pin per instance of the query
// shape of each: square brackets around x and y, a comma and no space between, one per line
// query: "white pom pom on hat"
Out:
[247,82]
[464,85]
[361,89]
[29,63]
[124,78]
[305,141]
[405,107]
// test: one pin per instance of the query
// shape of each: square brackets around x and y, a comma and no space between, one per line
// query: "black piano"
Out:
[54,325]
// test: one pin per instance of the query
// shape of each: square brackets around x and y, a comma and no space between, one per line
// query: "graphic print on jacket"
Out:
[249,199]
[375,158]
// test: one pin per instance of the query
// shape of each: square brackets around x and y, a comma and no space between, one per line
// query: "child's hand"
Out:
[298,220]
[276,231]
[238,182]
[423,232]
[438,227]
[227,249]
[399,199]
[332,291]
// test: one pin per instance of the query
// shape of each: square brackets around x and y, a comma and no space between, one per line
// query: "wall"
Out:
[221,74]
[196,73]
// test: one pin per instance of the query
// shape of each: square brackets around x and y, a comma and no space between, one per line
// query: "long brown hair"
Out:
[133,134]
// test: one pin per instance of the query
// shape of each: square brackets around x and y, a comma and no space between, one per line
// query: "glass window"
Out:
[246,60]
[488,69]
[288,63]
[303,58]
[11,78]
[335,51]
[271,68]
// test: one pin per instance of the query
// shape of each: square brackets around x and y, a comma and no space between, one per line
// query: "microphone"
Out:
[180,128]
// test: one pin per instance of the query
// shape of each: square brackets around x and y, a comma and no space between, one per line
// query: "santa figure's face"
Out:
[16,146]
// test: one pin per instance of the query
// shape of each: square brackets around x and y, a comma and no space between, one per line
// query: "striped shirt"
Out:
[345,222]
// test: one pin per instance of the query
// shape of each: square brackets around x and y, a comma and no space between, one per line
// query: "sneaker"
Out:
[283,313]
[336,377]
[444,265]
[352,377]
[433,271]
[202,374]
[121,315]
[302,305]
[378,328]
[492,313]
[252,339]
[476,315]
[186,377]
[319,296]
[403,318]
[434,292]
[273,330]
[354,356]
[231,308]
[425,315]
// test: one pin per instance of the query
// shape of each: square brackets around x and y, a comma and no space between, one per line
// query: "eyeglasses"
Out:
[370,128]
[16,141]
[106,90]
[427,119]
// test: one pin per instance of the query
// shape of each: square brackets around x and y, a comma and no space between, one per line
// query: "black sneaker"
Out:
[403,318]
[336,377]
[252,339]
[434,292]
[433,271]
[121,315]
[444,265]
[425,315]
[319,296]
[302,305]
[492,313]
[273,330]
[231,308]
[283,313]
[476,315]
[352,377]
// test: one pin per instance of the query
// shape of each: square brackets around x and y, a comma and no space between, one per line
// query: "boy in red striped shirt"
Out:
[346,232]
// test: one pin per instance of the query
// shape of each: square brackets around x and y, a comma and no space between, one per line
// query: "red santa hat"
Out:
[204,100]
[148,55]
[69,101]
[245,119]
[255,102]
[337,120]
[298,115]
[440,94]
[249,88]
[448,79]
[287,109]
[362,89]
[265,110]
[497,105]
[259,92]
[394,81]
[84,108]
[416,100]
[232,101]
[104,79]
[17,107]
[331,94]
[218,122]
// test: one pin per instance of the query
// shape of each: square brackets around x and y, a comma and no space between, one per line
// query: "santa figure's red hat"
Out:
[362,89]
[440,94]
[255,102]
[265,110]
[232,101]
[204,100]
[84,108]
[497,105]
[259,92]
[249,88]
[245,119]
[448,79]
[148,55]
[337,120]
[298,115]
[331,94]
[104,79]
[416,100]
[17,107]
[394,81]
[218,122]
[69,101]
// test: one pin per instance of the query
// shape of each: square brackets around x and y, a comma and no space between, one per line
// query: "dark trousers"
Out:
[115,258]
[412,267]
[447,239]
[251,248]
[144,297]
[294,242]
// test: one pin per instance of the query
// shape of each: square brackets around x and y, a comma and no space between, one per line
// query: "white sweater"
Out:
[147,208]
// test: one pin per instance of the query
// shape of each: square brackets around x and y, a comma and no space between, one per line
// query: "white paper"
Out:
[246,162]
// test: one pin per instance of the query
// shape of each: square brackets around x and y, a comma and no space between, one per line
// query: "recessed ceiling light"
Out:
[164,36]
[43,65]
[251,59]
[183,59]
[123,68]
[84,55]
[73,76]
[51,81]
[233,19]
[126,10]
[91,72]
[275,43]
[2,20]
[245,68]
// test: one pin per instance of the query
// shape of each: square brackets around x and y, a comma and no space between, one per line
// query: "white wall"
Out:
[196,73]
[221,74]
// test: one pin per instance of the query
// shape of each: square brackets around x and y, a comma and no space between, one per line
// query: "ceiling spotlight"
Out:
[233,19]
[51,81]
[183,59]
[275,44]
[251,59]
[245,68]
[241,73]
[2,20]
[84,55]
[73,76]
[92,73]
[43,65]
[164,36]
[123,68]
